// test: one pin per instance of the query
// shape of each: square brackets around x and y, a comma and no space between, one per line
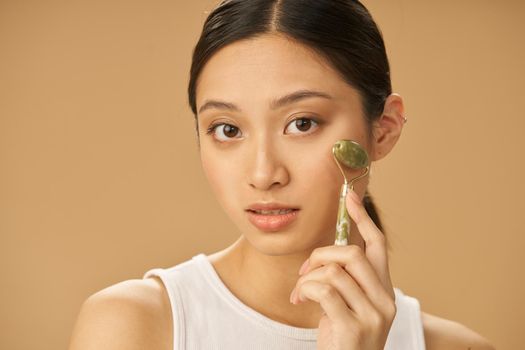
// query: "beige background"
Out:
[100,177]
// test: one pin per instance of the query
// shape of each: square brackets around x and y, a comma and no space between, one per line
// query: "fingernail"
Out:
[304,266]
[354,196]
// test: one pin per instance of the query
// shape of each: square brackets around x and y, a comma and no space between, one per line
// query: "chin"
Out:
[283,243]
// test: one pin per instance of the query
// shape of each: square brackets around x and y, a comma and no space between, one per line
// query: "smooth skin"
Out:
[258,153]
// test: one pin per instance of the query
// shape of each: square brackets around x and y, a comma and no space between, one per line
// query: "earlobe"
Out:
[387,129]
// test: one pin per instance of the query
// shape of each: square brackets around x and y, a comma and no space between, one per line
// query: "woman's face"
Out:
[261,151]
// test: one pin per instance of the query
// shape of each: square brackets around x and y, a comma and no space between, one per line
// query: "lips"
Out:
[271,222]
[270,206]
[272,212]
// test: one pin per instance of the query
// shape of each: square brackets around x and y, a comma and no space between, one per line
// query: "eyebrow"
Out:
[277,103]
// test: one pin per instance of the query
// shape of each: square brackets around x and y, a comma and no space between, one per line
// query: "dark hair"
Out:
[341,31]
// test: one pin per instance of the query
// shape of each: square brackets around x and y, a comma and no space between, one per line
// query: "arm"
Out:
[133,314]
[443,334]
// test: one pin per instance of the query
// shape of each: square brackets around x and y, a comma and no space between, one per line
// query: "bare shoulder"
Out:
[443,334]
[133,314]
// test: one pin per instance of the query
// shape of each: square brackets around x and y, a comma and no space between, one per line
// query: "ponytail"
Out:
[372,211]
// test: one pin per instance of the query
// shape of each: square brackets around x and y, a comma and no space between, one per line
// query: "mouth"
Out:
[272,220]
[272,212]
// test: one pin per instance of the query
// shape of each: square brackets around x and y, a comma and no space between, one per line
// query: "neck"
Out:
[264,282]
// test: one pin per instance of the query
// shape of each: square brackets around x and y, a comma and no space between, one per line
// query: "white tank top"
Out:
[207,315]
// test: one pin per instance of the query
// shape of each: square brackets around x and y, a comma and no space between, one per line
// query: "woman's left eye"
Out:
[303,124]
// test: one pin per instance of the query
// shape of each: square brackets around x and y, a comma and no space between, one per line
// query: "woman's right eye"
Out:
[223,131]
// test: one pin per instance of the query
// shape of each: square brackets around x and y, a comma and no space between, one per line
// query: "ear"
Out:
[387,129]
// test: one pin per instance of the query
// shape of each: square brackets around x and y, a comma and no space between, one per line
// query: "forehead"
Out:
[261,68]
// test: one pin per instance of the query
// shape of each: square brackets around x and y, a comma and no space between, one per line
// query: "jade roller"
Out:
[352,155]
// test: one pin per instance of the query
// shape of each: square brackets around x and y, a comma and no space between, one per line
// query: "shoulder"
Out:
[133,314]
[443,334]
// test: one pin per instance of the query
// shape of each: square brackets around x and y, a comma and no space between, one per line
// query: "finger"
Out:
[328,297]
[335,275]
[355,262]
[375,242]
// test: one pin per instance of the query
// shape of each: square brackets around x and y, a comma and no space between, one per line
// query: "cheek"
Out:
[321,183]
[319,170]
[221,176]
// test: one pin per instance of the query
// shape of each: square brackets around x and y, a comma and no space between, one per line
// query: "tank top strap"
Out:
[406,331]
[206,314]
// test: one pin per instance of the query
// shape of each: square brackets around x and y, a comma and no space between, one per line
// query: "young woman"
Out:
[274,84]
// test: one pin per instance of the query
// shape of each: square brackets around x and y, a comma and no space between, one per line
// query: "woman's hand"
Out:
[353,287]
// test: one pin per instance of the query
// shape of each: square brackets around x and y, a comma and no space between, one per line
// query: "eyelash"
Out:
[214,126]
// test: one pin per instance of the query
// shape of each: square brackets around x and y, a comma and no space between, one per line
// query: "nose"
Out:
[266,170]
